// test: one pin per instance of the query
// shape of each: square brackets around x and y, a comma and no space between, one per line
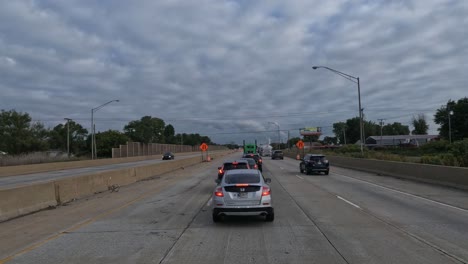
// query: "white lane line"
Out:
[346,201]
[299,177]
[282,168]
[405,193]
[210,201]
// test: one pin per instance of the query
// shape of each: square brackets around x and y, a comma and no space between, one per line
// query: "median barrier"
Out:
[443,175]
[26,199]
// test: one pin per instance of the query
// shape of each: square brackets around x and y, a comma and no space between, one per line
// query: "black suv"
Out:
[277,154]
[256,157]
[314,163]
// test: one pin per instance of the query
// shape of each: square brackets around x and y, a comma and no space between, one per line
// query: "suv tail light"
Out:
[219,192]
[266,191]
[220,171]
[259,160]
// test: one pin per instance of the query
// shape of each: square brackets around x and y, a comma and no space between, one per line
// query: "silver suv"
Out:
[243,192]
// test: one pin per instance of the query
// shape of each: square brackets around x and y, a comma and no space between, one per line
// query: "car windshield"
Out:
[242,178]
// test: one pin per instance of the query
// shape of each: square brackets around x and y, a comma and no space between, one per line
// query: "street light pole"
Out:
[450,112]
[68,136]
[357,81]
[93,139]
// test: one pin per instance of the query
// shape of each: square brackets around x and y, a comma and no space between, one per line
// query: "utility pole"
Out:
[68,136]
[381,129]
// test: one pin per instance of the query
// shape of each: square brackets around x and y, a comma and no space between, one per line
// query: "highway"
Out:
[32,178]
[346,217]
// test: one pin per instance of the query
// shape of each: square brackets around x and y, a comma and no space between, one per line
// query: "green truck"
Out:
[250,148]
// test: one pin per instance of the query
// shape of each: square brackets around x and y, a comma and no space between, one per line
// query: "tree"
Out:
[458,119]
[420,125]
[330,140]
[293,141]
[78,136]
[169,134]
[340,131]
[107,140]
[39,137]
[146,130]
[18,135]
[395,129]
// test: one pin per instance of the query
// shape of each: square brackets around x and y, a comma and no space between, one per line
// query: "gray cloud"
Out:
[227,68]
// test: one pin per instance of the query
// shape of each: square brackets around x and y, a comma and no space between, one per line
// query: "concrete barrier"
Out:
[27,199]
[65,165]
[443,175]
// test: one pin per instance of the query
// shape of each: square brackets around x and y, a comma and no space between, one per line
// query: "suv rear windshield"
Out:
[318,158]
[231,166]
[242,178]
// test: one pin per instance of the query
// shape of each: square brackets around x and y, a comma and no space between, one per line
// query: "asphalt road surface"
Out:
[346,217]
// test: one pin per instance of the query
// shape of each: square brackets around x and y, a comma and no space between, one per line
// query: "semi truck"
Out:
[250,148]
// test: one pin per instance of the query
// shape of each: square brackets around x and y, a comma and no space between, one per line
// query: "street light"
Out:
[279,138]
[93,139]
[68,136]
[354,80]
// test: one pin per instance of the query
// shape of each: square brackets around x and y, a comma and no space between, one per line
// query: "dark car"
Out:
[252,163]
[168,156]
[256,157]
[277,154]
[232,165]
[314,163]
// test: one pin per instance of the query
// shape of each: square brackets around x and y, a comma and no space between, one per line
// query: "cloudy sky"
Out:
[227,68]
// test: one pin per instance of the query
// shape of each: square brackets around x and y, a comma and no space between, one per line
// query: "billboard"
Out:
[311,131]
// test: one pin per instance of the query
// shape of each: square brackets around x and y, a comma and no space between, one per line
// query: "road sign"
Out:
[300,144]
[204,147]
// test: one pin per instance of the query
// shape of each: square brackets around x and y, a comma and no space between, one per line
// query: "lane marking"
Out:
[210,201]
[405,193]
[282,168]
[346,201]
[299,177]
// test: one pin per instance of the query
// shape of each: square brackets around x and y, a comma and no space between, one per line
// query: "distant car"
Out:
[277,154]
[168,156]
[252,163]
[243,192]
[314,163]
[257,158]
[232,165]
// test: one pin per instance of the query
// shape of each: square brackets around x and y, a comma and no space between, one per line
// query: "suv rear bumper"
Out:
[243,211]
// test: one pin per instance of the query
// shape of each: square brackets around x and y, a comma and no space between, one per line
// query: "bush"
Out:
[459,150]
[447,159]
[435,147]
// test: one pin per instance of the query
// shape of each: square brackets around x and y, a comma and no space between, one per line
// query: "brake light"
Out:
[235,163]
[255,166]
[266,191]
[219,192]
[242,185]
[259,160]
[220,171]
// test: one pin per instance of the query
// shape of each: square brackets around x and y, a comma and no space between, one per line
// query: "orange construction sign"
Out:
[204,147]
[300,144]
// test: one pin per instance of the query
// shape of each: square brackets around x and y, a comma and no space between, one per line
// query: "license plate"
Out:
[242,195]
